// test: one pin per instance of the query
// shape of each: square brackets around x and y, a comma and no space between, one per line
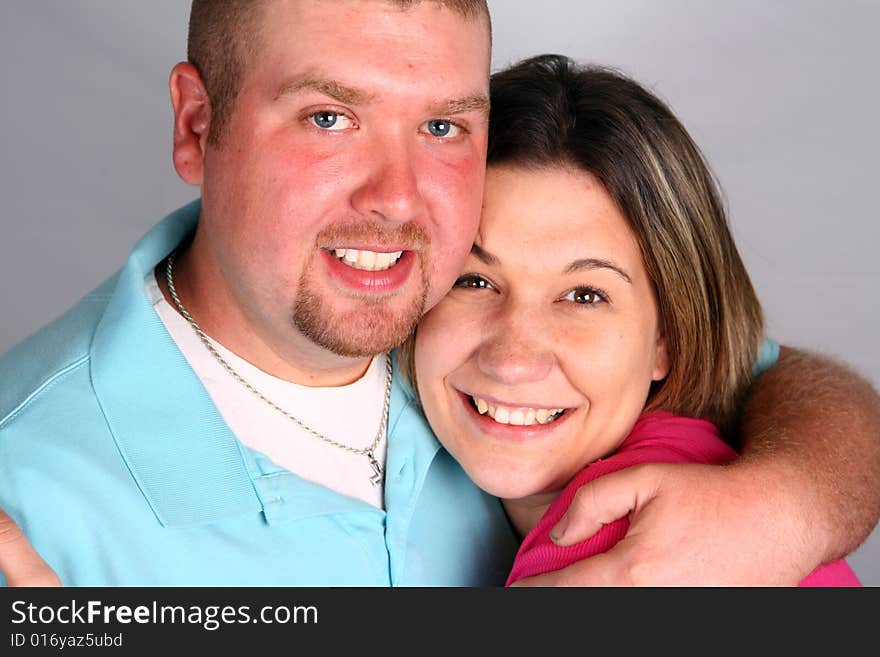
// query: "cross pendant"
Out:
[376,479]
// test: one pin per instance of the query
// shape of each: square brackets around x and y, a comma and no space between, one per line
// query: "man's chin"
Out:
[357,333]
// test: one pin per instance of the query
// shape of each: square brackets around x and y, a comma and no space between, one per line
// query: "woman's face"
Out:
[540,359]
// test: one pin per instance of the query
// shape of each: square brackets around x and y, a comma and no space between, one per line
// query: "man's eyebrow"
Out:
[484,255]
[475,103]
[597,263]
[347,95]
[335,90]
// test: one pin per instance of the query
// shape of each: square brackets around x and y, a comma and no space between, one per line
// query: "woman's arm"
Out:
[804,492]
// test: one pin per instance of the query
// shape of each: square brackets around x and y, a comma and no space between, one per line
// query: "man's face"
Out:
[345,194]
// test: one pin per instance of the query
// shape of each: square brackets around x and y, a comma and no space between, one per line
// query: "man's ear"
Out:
[192,120]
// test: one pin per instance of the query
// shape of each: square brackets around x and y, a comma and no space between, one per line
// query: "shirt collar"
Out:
[179,450]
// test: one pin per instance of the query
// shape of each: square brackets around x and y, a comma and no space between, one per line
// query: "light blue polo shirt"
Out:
[121,471]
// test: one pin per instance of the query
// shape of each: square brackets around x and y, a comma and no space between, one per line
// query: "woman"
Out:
[604,318]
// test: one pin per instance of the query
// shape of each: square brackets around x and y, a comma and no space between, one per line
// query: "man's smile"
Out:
[370,271]
[367,260]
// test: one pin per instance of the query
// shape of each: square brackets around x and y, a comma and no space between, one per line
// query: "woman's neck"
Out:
[525,512]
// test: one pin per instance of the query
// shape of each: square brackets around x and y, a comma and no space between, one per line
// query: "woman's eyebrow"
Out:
[597,263]
[484,255]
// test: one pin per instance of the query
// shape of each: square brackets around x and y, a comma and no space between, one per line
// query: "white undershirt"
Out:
[348,414]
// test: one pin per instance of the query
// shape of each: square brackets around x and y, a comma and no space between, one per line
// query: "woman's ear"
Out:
[192,121]
[661,358]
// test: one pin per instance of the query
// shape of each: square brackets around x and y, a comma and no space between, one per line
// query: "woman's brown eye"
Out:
[586,296]
[474,282]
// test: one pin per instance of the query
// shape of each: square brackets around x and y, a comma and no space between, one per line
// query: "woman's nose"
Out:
[515,354]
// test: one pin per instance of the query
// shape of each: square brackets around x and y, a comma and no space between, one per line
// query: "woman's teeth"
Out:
[518,416]
[367,260]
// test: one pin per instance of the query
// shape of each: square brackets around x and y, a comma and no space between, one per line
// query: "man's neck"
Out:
[223,322]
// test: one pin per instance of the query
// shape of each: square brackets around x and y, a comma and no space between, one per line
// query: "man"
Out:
[217,413]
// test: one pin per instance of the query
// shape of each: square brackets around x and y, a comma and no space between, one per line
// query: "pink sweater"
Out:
[657,437]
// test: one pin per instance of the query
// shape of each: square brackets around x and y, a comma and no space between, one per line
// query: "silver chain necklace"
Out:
[369,452]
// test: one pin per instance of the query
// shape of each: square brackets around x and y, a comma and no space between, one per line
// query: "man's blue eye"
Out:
[441,128]
[331,121]
[326,119]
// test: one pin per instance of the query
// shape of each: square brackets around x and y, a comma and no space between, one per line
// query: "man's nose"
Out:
[391,189]
[515,353]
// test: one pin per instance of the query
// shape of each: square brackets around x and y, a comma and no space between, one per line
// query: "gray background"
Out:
[782,95]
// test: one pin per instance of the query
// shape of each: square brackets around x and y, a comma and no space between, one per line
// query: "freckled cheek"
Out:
[445,342]
[292,168]
[453,189]
[317,182]
[447,258]
[611,365]
[591,355]
[454,216]
[431,366]
[294,196]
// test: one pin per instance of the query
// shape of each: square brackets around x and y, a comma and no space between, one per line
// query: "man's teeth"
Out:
[519,416]
[367,260]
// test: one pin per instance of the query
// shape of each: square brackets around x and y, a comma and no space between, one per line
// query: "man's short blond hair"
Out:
[224,36]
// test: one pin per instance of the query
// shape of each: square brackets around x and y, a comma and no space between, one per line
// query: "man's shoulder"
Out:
[40,361]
